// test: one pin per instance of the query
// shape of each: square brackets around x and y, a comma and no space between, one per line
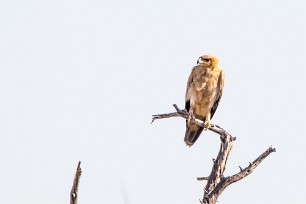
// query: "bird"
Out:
[204,91]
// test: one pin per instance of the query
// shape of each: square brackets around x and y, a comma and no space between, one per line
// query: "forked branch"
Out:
[216,182]
[184,114]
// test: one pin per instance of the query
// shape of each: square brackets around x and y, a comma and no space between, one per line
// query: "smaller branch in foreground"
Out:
[75,186]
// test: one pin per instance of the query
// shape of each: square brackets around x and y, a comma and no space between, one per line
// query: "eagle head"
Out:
[208,61]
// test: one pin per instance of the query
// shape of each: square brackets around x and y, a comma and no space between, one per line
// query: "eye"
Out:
[206,60]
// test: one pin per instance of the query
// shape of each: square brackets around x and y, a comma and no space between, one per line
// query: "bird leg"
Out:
[207,122]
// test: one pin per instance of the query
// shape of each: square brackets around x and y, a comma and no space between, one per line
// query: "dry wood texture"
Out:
[75,186]
[216,182]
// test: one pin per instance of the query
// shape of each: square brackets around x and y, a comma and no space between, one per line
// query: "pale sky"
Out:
[81,79]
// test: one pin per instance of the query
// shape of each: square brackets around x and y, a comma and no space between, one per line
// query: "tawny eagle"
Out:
[203,94]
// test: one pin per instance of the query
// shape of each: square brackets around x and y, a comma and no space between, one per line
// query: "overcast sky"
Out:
[81,79]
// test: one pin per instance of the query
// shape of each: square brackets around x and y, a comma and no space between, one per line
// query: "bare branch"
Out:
[184,114]
[249,169]
[216,175]
[225,182]
[75,186]
[216,182]
[178,113]
[202,178]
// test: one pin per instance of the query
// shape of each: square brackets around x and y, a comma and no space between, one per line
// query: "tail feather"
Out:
[192,133]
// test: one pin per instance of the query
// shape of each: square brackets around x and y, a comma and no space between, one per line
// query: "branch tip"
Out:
[75,186]
[177,108]
[202,178]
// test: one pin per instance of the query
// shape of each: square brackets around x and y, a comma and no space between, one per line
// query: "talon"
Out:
[190,119]
[207,122]
[206,125]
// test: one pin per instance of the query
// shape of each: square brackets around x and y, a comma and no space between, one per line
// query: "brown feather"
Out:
[220,91]
[203,94]
[192,134]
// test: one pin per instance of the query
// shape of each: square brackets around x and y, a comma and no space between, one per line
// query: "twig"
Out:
[202,178]
[178,113]
[75,186]
[249,169]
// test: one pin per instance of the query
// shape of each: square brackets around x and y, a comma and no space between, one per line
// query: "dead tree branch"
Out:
[75,186]
[184,114]
[216,182]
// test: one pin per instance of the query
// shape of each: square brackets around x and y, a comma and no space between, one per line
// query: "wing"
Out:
[193,131]
[219,94]
[187,96]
